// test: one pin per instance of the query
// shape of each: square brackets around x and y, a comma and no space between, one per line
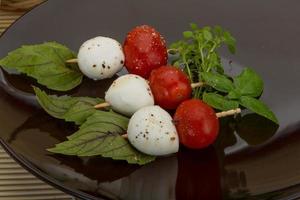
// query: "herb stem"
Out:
[187,67]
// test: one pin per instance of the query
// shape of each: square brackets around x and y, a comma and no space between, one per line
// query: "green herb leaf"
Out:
[230,41]
[71,109]
[234,94]
[218,81]
[207,34]
[193,26]
[98,137]
[249,83]
[187,34]
[46,63]
[258,107]
[99,133]
[219,102]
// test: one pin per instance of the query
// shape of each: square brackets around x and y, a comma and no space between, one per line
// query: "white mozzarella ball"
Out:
[129,93]
[100,58]
[151,131]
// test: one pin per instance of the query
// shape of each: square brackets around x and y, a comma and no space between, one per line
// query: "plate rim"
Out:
[26,164]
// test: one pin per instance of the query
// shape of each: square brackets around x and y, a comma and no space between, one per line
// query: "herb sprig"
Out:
[197,53]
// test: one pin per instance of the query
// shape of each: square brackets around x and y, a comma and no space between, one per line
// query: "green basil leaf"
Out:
[96,137]
[249,83]
[258,107]
[234,94]
[230,42]
[71,109]
[219,102]
[218,81]
[46,63]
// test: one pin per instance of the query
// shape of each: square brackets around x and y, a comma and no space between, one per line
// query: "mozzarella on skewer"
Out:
[151,131]
[129,93]
[100,58]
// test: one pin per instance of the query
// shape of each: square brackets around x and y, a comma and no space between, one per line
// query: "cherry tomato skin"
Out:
[144,49]
[196,123]
[170,86]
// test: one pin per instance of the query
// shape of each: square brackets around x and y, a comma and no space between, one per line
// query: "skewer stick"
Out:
[105,104]
[74,60]
[219,115]
[195,85]
[228,113]
[102,105]
[125,136]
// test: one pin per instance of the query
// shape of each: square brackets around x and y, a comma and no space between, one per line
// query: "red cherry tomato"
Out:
[170,86]
[144,49]
[196,123]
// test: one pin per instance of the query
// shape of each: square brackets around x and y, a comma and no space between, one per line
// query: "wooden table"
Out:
[15,182]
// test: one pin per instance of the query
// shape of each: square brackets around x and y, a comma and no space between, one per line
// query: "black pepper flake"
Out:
[94,65]
[152,115]
[147,132]
[101,73]
[108,67]
[103,66]
[175,122]
[89,48]
[122,62]
[136,137]
[167,133]
[144,135]
[172,138]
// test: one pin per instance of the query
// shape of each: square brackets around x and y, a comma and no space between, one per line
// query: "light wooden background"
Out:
[15,182]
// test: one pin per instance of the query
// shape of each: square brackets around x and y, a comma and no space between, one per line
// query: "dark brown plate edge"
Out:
[31,168]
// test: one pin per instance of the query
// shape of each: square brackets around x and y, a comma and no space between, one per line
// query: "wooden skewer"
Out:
[199,84]
[74,60]
[106,104]
[219,115]
[102,105]
[228,113]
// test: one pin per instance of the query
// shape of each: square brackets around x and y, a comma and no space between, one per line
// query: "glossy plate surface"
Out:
[255,162]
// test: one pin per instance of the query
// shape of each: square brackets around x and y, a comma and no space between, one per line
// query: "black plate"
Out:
[256,163]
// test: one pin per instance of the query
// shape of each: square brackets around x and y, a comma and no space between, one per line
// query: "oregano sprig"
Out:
[198,56]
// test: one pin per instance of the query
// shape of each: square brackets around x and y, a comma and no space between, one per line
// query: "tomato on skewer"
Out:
[144,49]
[170,86]
[196,123]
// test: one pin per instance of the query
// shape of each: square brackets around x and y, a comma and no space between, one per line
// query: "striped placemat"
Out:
[15,182]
